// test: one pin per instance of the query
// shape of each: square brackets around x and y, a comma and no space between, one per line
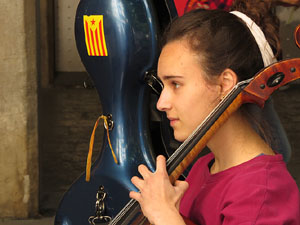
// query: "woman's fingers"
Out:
[161,164]
[138,182]
[144,171]
[160,168]
[135,195]
[157,196]
[181,186]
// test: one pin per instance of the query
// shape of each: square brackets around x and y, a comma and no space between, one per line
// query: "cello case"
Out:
[117,43]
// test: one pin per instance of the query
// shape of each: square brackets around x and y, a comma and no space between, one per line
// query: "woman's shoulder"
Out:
[268,170]
[266,188]
[264,177]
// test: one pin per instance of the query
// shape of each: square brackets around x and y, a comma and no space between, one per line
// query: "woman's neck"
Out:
[236,142]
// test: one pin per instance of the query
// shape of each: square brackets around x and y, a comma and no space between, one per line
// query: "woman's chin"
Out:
[179,137]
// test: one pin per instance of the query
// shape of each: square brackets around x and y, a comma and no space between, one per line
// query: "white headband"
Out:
[264,47]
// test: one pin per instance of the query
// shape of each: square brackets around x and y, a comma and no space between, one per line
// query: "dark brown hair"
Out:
[263,13]
[224,40]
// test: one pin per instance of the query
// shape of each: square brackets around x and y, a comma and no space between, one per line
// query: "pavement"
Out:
[37,221]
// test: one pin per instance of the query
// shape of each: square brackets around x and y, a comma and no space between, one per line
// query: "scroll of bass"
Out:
[255,90]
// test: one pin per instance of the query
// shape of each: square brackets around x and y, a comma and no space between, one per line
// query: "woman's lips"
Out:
[173,121]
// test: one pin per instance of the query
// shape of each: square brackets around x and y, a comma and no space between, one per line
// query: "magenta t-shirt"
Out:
[259,191]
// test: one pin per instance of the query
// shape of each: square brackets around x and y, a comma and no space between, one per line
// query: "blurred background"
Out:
[48,106]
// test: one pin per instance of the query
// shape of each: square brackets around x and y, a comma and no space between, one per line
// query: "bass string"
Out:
[124,211]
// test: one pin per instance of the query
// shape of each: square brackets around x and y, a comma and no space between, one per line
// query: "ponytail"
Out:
[264,15]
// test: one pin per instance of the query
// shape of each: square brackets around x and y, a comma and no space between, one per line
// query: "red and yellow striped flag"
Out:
[94,35]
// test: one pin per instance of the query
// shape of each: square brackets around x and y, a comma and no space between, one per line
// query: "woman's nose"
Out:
[163,103]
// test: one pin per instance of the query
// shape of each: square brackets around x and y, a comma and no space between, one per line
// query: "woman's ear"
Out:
[228,80]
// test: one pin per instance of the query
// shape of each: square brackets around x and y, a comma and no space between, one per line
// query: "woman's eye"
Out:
[176,85]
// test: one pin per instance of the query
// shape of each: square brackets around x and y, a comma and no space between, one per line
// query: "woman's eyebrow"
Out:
[168,77]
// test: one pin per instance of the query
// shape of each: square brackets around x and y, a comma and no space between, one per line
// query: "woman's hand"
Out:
[158,198]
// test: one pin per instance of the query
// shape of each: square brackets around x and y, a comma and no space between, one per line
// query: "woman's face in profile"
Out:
[187,98]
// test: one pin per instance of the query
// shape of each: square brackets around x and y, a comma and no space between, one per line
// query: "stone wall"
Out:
[18,109]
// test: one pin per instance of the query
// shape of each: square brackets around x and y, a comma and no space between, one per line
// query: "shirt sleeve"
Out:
[269,198]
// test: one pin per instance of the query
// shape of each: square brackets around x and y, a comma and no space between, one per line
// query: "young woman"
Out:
[242,180]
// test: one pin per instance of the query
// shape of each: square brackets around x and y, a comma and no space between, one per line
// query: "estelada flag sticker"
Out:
[94,35]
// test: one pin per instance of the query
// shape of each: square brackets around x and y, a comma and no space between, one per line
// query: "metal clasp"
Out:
[99,208]
[110,122]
